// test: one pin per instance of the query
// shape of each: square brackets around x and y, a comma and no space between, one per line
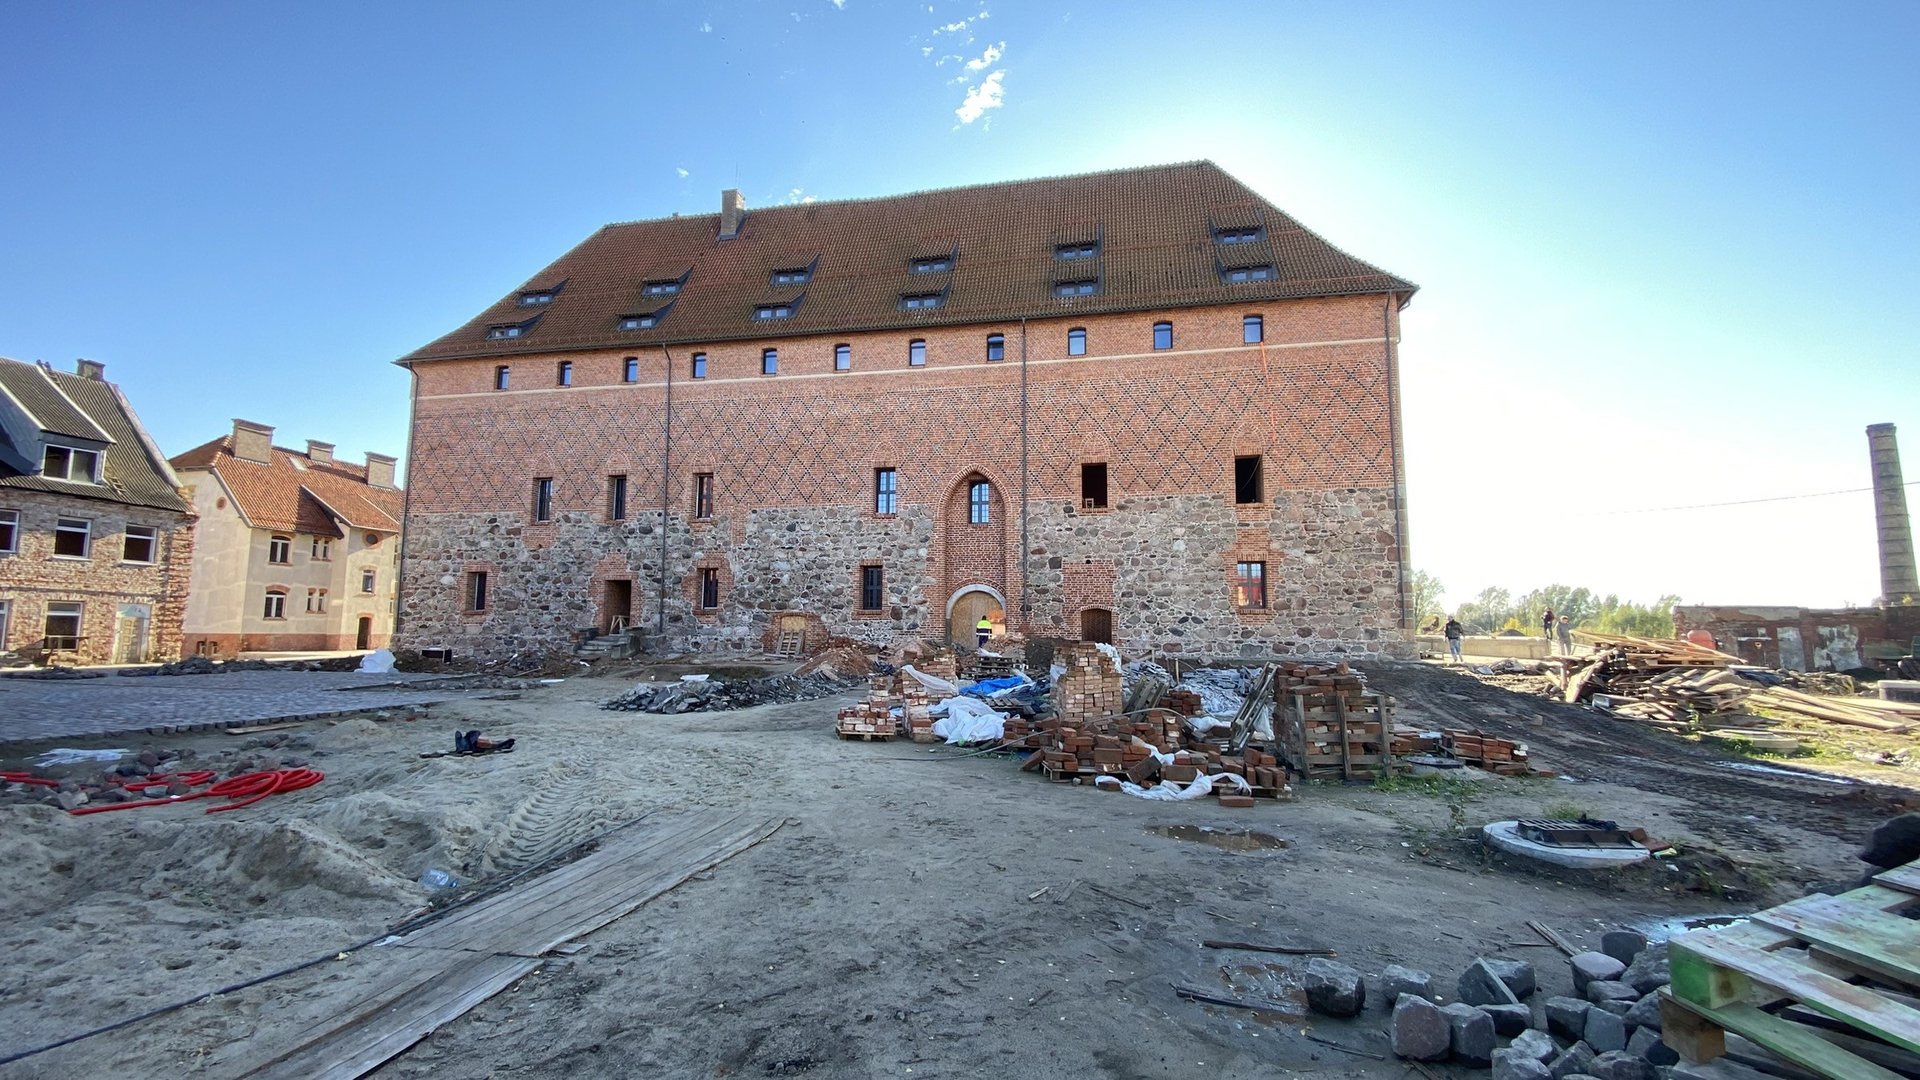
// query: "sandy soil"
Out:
[892,929]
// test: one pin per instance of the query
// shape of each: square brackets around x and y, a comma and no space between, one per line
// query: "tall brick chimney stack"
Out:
[90,369]
[252,442]
[733,211]
[1899,583]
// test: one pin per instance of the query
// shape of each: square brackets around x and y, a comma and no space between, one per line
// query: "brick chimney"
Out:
[321,452]
[252,442]
[733,211]
[380,470]
[1899,582]
[90,369]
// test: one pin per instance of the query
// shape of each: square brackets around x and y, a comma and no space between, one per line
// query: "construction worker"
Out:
[983,630]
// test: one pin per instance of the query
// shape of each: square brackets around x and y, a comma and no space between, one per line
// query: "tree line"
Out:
[1495,610]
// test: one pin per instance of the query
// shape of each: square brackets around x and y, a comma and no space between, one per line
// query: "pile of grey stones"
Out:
[715,695]
[1609,1031]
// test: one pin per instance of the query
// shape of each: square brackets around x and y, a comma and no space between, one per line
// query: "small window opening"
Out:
[1076,288]
[709,588]
[1076,342]
[770,361]
[477,590]
[543,499]
[916,353]
[1248,484]
[1076,251]
[1252,329]
[1093,485]
[1250,584]
[937,265]
[996,346]
[886,491]
[872,587]
[921,301]
[1163,335]
[703,495]
[563,373]
[843,358]
[699,365]
[630,370]
[501,375]
[980,503]
[617,497]
[1237,236]
[1248,273]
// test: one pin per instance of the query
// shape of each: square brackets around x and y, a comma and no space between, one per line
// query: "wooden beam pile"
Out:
[1890,716]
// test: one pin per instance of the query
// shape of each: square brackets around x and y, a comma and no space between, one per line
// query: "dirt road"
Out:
[925,914]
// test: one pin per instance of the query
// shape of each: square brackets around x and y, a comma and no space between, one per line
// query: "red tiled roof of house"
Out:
[296,493]
[1155,229]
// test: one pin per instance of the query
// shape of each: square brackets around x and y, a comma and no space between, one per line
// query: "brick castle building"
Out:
[95,535]
[1143,406]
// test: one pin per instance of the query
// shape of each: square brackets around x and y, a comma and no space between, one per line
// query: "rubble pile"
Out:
[874,716]
[150,773]
[717,695]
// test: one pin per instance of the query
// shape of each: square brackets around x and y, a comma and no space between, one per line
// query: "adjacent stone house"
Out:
[1144,406]
[95,535]
[296,551]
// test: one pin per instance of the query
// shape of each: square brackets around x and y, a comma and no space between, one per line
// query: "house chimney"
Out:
[1899,584]
[380,470]
[733,211]
[321,452]
[90,369]
[252,442]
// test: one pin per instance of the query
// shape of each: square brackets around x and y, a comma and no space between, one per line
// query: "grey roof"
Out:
[33,387]
[132,471]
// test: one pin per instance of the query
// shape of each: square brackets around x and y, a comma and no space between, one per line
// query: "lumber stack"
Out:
[1889,716]
[1335,731]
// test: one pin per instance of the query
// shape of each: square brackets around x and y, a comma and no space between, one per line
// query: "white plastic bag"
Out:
[939,686]
[970,720]
[1168,792]
[377,662]
[1113,654]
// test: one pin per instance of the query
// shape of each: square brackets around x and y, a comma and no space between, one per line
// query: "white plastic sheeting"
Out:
[969,720]
[1113,654]
[940,687]
[377,662]
[1167,792]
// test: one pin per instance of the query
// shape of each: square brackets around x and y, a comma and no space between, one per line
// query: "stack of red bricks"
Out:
[1090,688]
[915,716]
[1074,752]
[1503,756]
[1185,702]
[872,718]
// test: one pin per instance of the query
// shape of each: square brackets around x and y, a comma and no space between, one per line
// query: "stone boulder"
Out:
[1535,1044]
[1623,945]
[1333,988]
[1511,1064]
[1609,990]
[1567,1017]
[1645,1042]
[1592,967]
[1620,1065]
[1517,974]
[1509,1020]
[1421,1030]
[1645,1013]
[1481,984]
[1473,1035]
[1604,1031]
[1397,980]
[1574,1059]
[1648,972]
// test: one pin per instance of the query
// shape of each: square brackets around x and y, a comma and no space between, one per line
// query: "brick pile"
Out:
[1090,688]
[1502,756]
[1185,702]
[872,718]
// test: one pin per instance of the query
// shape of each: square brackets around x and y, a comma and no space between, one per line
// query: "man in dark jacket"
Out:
[1453,633]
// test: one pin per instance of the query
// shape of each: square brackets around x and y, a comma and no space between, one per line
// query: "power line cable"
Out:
[1743,502]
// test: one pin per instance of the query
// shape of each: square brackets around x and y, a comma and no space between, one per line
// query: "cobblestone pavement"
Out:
[36,709]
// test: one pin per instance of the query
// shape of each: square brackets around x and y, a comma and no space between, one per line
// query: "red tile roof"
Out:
[296,493]
[1154,226]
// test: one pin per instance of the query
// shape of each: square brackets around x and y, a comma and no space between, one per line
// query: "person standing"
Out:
[1546,628]
[1565,629]
[1453,633]
[983,630]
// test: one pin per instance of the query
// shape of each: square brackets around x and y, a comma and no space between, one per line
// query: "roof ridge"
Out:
[922,192]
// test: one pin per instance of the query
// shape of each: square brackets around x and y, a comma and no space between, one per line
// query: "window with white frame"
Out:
[280,550]
[276,606]
[367,578]
[322,548]
[62,629]
[6,619]
[317,600]
[70,463]
[72,538]
[140,544]
[9,532]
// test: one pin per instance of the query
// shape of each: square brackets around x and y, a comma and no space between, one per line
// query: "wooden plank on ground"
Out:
[1905,878]
[367,1040]
[1797,1044]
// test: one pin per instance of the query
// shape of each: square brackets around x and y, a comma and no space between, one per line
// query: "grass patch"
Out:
[1450,788]
[1563,811]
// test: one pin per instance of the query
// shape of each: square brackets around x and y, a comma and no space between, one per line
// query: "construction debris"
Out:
[714,695]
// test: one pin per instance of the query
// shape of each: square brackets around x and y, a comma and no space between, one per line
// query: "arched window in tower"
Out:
[979,503]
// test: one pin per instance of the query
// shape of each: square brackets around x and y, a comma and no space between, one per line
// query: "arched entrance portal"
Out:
[968,606]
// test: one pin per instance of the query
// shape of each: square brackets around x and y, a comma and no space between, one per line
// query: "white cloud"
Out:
[953,27]
[988,95]
[706,28]
[683,173]
[989,58]
[840,4]
[797,195]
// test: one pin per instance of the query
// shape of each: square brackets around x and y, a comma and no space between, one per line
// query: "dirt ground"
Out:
[924,913]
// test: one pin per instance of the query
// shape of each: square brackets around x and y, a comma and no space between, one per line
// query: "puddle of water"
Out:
[1666,929]
[1271,985]
[1748,766]
[1241,840]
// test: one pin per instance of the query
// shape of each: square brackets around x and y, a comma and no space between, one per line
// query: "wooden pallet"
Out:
[1814,981]
[865,736]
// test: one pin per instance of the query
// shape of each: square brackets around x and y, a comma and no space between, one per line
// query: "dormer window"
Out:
[537,298]
[1076,288]
[1247,273]
[71,463]
[921,301]
[661,288]
[773,311]
[798,275]
[938,264]
[1076,251]
[1238,236]
[509,331]
[640,322]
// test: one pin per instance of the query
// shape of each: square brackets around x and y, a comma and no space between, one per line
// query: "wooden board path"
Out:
[441,971]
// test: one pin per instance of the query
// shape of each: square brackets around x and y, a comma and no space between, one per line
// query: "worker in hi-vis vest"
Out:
[983,628]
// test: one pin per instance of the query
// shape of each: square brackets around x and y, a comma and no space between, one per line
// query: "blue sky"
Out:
[1667,251]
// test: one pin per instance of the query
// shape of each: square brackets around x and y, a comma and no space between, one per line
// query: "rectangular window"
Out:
[1253,329]
[67,463]
[63,625]
[311,594]
[476,590]
[843,358]
[886,491]
[276,607]
[140,543]
[1093,485]
[916,353]
[535,299]
[703,495]
[1163,335]
[796,276]
[501,377]
[996,346]
[769,361]
[630,372]
[1076,288]
[72,538]
[639,322]
[504,333]
[938,265]
[1076,251]
[1248,485]
[709,588]
[661,288]
[699,365]
[367,581]
[1076,342]
[1236,236]
[1250,584]
[9,536]
[617,497]
[921,301]
[773,311]
[280,550]
[980,503]
[6,619]
[322,548]
[1247,273]
[543,498]
[872,587]
[563,373]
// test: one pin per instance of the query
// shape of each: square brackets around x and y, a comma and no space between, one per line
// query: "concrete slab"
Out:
[1505,835]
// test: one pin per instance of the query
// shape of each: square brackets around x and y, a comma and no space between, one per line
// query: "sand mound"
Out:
[295,860]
